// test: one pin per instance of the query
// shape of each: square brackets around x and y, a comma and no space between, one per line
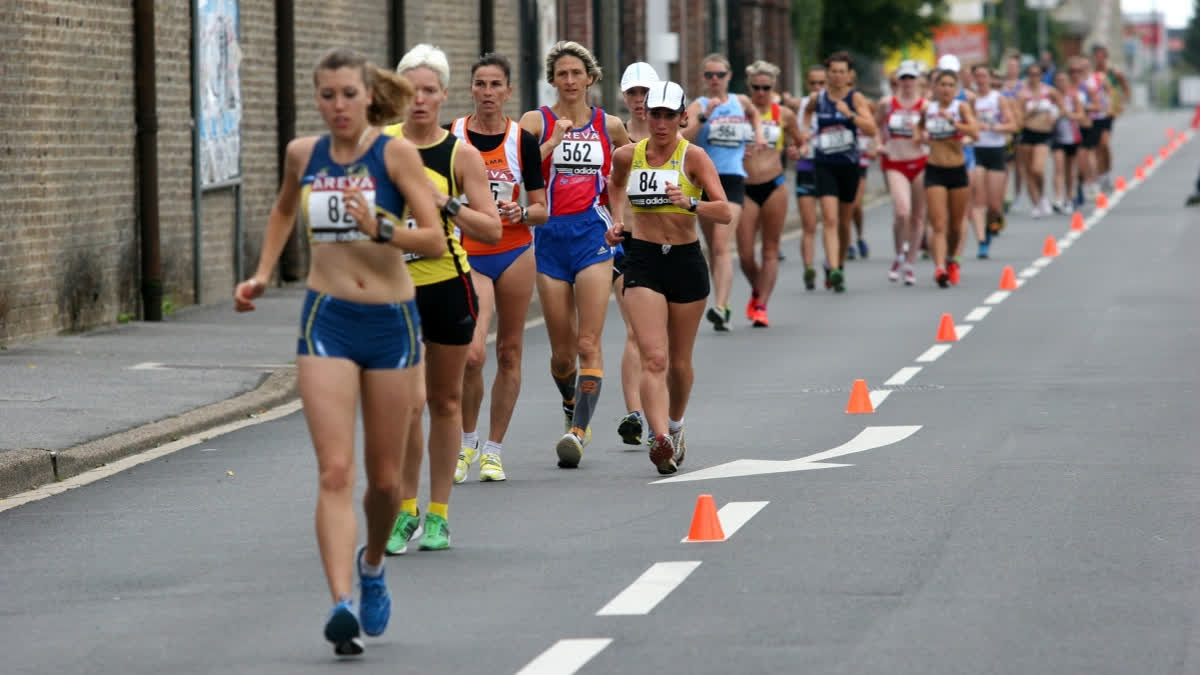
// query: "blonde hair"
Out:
[569,48]
[390,93]
[761,67]
[715,58]
[426,56]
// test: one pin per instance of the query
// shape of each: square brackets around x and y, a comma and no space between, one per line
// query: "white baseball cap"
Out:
[949,62]
[666,95]
[640,74]
[908,69]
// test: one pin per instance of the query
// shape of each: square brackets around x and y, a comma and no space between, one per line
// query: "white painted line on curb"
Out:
[1042,262]
[878,396]
[902,376]
[655,584]
[997,297]
[566,656]
[978,314]
[933,353]
[962,330]
[1029,272]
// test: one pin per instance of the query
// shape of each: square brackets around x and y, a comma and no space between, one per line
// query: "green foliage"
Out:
[124,317]
[1000,37]
[1191,39]
[868,27]
[806,30]
[168,307]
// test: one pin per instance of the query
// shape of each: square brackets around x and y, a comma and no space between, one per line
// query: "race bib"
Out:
[835,140]
[648,187]
[727,132]
[329,219]
[582,158]
[771,132]
[903,123]
[940,128]
[411,224]
[500,190]
[987,117]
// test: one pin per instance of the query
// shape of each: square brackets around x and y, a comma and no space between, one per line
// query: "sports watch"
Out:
[385,231]
[451,208]
[694,204]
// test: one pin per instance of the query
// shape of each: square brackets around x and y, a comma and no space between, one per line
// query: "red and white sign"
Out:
[967,41]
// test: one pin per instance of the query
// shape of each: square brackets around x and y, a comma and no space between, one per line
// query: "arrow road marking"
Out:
[868,439]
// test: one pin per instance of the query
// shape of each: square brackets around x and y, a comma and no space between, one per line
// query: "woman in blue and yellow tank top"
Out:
[574,263]
[359,334]
[445,295]
[666,278]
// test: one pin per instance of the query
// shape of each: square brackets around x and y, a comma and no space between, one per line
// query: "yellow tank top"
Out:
[438,158]
[647,189]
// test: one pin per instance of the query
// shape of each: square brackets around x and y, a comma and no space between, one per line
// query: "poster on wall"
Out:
[219,91]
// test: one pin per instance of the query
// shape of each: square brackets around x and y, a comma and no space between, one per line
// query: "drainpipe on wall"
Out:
[146,116]
[291,262]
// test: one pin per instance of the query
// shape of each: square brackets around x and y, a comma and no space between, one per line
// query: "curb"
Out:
[25,469]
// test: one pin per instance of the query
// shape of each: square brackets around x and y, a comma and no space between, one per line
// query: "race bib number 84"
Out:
[648,187]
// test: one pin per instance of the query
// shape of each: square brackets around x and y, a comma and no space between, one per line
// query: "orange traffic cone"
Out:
[1101,201]
[1149,161]
[1050,249]
[1008,279]
[1196,118]
[946,331]
[1162,152]
[1139,173]
[706,525]
[1077,222]
[860,399]
[1119,186]
[1170,133]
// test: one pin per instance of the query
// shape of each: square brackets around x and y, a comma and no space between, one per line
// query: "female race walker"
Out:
[666,279]
[574,262]
[903,163]
[359,327]
[502,273]
[944,123]
[445,294]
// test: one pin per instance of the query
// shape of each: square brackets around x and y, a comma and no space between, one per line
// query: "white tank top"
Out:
[988,109]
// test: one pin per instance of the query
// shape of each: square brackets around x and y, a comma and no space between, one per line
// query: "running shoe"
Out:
[728,317]
[941,277]
[407,528]
[1193,199]
[342,629]
[569,422]
[838,279]
[662,455]
[984,247]
[828,283]
[466,457]
[717,317]
[680,446]
[1059,207]
[374,602]
[894,272]
[863,251]
[910,276]
[570,451]
[851,253]
[760,317]
[630,429]
[750,307]
[437,533]
[490,468]
[810,278]
[953,272]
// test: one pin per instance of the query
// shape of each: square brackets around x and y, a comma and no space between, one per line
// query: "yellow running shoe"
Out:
[466,457]
[490,468]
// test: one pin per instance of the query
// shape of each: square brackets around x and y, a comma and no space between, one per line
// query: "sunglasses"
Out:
[816,83]
[715,73]
[761,87]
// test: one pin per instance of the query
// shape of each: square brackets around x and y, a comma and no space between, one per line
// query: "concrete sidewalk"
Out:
[72,403]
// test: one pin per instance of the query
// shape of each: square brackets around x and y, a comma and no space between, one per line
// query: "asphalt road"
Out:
[1043,518]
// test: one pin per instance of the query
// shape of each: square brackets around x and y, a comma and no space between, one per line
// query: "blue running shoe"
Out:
[863,250]
[375,603]
[341,628]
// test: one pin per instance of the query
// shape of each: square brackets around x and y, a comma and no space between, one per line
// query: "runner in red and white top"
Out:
[903,162]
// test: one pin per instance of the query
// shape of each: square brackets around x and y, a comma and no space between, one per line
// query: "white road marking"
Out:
[978,314]
[997,297]
[963,330]
[566,656]
[902,376]
[1074,234]
[933,353]
[1065,243]
[736,514]
[1042,262]
[868,439]
[133,460]
[147,365]
[655,584]
[878,396]
[1029,272]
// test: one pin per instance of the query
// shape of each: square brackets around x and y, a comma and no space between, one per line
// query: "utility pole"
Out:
[1010,34]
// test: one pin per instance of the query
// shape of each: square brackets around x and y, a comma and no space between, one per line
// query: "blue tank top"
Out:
[324,181]
[837,137]
[723,135]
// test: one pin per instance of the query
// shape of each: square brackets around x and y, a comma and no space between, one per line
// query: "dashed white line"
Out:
[1074,234]
[566,656]
[933,353]
[962,331]
[902,376]
[736,514]
[997,297]
[1065,243]
[978,314]
[1042,262]
[878,396]
[655,584]
[1029,272]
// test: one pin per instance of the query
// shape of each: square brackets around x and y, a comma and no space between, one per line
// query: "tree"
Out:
[869,27]
[806,31]
[1191,39]
[1026,33]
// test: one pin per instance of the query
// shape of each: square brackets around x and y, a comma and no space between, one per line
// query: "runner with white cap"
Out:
[666,277]
[903,163]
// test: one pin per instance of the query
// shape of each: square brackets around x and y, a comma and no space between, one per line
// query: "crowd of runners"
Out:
[427,231]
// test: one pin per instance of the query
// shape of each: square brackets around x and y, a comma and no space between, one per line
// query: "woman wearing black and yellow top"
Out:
[445,295]
[666,277]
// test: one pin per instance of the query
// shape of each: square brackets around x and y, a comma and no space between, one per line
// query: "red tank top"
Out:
[576,173]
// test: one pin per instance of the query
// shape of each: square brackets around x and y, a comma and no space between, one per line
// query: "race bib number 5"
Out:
[579,157]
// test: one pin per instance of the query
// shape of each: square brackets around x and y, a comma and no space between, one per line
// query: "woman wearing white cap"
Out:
[635,83]
[666,277]
[1040,105]
[903,166]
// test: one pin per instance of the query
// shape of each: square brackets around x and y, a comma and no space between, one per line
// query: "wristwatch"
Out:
[524,214]
[695,204]
[451,208]
[385,231]
[702,117]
